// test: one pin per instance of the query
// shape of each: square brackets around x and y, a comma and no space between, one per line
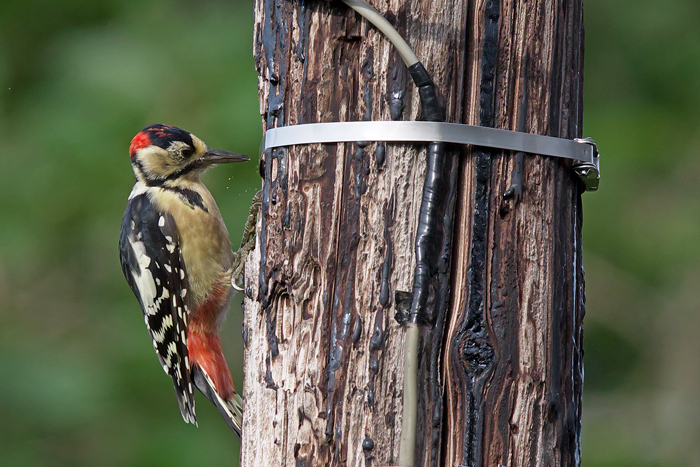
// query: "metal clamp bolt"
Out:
[589,172]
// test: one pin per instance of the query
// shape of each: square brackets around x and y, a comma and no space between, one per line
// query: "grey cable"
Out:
[407,447]
[373,16]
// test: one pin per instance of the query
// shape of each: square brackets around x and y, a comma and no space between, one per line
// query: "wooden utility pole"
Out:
[500,362]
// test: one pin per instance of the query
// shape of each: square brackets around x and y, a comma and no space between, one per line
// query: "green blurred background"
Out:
[80,385]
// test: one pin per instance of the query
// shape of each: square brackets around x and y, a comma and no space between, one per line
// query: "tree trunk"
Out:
[500,365]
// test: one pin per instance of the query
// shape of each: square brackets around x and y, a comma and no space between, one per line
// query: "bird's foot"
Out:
[247,243]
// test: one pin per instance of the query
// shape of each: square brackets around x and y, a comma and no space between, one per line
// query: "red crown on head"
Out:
[141,140]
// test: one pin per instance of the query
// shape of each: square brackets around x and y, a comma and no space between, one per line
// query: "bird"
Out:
[176,255]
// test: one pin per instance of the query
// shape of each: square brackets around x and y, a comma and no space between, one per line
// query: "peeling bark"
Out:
[323,352]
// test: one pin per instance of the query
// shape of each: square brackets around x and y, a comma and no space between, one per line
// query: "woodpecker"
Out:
[176,256]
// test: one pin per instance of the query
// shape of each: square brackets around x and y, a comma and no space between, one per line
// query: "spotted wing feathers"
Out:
[153,267]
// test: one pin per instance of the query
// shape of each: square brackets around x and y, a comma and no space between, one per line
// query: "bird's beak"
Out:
[217,156]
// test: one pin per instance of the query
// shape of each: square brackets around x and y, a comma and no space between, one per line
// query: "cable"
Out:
[407,446]
[426,88]
[373,16]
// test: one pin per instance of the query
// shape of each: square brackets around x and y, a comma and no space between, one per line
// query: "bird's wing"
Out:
[152,263]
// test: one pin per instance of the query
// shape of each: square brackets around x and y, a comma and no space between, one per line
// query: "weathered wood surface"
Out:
[513,367]
[323,352]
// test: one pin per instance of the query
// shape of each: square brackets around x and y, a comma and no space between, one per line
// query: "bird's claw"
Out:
[247,243]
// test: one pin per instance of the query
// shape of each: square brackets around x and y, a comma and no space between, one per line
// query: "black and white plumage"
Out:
[153,266]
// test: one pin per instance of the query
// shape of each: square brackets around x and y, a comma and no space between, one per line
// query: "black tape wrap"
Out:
[427,222]
[426,257]
[432,112]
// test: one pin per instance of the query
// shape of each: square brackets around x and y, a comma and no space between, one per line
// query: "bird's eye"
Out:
[186,152]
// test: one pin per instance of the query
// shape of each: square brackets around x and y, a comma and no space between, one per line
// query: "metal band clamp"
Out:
[581,150]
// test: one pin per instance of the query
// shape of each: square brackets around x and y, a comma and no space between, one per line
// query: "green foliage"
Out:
[641,234]
[611,360]
[78,79]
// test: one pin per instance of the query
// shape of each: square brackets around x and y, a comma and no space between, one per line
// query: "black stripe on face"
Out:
[150,181]
[183,171]
[189,195]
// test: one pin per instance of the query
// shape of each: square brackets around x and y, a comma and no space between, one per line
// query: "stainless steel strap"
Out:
[583,151]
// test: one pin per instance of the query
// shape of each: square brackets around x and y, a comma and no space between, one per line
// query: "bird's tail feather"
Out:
[230,409]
